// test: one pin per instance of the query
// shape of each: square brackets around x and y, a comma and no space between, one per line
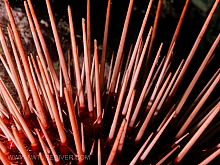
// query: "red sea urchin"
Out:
[113,119]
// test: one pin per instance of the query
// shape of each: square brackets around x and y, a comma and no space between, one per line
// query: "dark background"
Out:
[169,17]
